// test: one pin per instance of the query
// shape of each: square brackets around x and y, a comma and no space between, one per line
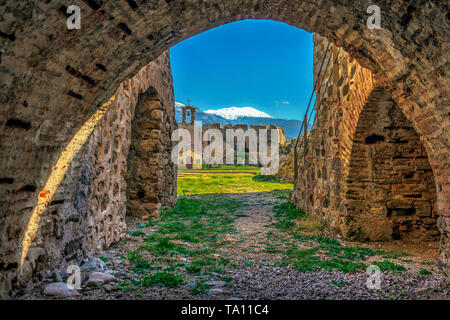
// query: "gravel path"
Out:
[262,282]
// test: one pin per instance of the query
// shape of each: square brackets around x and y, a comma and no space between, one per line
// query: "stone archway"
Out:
[54,79]
[390,189]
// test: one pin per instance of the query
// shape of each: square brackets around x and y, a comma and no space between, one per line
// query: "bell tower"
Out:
[188,113]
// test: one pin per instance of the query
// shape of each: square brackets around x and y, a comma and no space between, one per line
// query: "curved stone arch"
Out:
[54,79]
[81,69]
[390,192]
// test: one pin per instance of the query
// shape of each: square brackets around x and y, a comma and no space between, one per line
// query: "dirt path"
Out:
[254,258]
[260,279]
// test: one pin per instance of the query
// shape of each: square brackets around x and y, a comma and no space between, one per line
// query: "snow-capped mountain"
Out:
[240,116]
[234,113]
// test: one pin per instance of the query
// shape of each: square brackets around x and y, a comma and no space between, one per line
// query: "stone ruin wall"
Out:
[245,127]
[330,139]
[45,101]
[385,203]
[390,187]
[87,213]
[151,175]
[286,171]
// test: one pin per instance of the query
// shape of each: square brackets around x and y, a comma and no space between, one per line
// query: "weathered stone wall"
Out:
[366,172]
[53,79]
[151,175]
[390,189]
[190,127]
[324,166]
[286,171]
[87,213]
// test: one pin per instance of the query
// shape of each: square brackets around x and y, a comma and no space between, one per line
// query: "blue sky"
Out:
[262,64]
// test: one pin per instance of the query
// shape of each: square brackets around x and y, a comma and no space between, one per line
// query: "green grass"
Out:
[183,244]
[162,279]
[232,168]
[158,245]
[308,260]
[340,283]
[193,229]
[325,254]
[142,266]
[281,194]
[395,296]
[133,256]
[286,213]
[137,233]
[172,226]
[125,286]
[424,272]
[204,265]
[388,265]
[272,249]
[200,288]
[261,178]
[234,180]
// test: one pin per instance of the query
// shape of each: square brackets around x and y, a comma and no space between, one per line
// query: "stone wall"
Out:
[390,188]
[366,172]
[151,175]
[320,186]
[286,171]
[87,213]
[190,126]
[54,79]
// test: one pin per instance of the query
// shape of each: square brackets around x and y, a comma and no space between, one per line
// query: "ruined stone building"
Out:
[249,144]
[87,117]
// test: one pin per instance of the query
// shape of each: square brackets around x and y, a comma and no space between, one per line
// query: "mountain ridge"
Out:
[291,127]
[232,113]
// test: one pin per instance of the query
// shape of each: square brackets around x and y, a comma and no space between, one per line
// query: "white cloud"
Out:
[282,102]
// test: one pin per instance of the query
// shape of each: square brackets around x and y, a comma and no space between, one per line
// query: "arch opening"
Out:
[390,189]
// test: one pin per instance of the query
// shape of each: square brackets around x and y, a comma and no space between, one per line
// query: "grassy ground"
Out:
[226,222]
[233,168]
[183,244]
[208,238]
[235,234]
[227,179]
